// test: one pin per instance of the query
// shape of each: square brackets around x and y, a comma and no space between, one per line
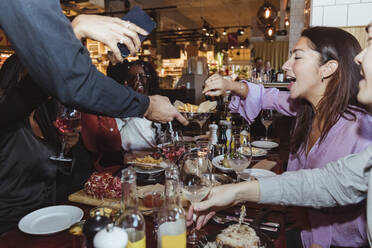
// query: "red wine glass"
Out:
[67,120]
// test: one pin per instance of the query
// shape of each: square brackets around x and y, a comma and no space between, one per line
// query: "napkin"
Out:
[264,164]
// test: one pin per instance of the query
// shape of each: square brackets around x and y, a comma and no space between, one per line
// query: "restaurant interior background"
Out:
[196,38]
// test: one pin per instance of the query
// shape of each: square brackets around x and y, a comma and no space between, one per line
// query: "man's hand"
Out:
[161,110]
[110,31]
[71,139]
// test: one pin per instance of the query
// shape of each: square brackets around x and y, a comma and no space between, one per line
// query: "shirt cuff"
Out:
[143,106]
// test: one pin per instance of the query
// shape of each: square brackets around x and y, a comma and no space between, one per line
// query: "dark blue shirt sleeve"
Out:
[44,40]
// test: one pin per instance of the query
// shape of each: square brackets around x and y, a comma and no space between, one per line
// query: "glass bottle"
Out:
[222,139]
[172,224]
[245,134]
[131,219]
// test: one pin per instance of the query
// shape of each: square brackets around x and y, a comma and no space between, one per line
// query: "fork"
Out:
[224,220]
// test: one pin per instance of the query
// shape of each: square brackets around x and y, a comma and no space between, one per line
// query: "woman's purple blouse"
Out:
[335,226]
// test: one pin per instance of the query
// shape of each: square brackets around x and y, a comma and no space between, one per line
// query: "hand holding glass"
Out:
[196,184]
[67,120]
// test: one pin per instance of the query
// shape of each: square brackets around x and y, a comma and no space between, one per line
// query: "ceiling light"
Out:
[224,31]
[267,12]
[270,32]
[286,22]
[241,46]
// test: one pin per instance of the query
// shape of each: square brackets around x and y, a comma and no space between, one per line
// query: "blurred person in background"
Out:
[107,137]
[330,123]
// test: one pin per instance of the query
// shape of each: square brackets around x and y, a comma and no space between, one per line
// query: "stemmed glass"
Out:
[267,119]
[67,120]
[240,156]
[195,178]
[173,145]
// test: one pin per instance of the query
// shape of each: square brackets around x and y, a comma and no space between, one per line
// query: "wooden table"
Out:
[15,238]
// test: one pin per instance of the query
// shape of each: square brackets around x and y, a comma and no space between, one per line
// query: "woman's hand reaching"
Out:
[222,197]
[110,31]
[216,85]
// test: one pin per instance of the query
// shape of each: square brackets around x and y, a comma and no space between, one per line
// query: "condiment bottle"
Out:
[111,237]
[131,219]
[172,224]
[94,225]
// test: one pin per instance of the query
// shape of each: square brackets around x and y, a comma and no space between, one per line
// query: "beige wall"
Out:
[359,33]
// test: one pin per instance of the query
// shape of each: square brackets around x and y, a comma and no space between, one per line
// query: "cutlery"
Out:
[224,220]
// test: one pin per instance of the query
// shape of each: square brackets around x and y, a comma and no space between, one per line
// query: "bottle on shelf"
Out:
[172,223]
[131,219]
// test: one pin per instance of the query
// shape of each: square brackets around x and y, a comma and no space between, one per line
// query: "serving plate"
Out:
[50,219]
[256,152]
[247,174]
[266,144]
[216,163]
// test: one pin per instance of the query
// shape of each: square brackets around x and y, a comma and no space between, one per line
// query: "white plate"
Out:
[247,173]
[256,152]
[216,163]
[141,170]
[265,144]
[50,219]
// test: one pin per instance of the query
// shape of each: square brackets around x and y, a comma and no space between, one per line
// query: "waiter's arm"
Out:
[46,44]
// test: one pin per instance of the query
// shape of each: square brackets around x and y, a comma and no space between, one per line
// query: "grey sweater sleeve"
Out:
[339,183]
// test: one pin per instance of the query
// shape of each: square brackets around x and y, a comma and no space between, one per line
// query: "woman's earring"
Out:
[322,79]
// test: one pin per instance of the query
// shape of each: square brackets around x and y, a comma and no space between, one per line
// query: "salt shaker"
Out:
[93,225]
[111,237]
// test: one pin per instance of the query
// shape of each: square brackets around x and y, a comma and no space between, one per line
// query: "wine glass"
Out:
[173,145]
[267,119]
[67,120]
[196,184]
[240,156]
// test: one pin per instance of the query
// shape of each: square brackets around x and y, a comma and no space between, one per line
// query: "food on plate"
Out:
[103,185]
[77,228]
[149,160]
[188,108]
[224,163]
[207,106]
[255,152]
[204,107]
[236,235]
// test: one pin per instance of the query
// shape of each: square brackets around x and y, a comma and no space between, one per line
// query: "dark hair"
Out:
[340,94]
[16,83]
[120,73]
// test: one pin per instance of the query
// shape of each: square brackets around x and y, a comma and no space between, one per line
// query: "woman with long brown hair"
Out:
[330,123]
